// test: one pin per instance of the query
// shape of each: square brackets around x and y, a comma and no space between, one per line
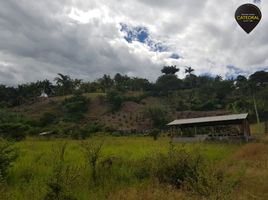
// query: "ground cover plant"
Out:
[104,167]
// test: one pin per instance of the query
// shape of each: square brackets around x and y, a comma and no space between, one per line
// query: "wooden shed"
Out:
[224,120]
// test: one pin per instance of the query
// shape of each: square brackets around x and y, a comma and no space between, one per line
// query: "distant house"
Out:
[241,120]
[43,95]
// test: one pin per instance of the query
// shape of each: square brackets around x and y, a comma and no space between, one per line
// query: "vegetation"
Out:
[109,167]
[75,106]
[87,157]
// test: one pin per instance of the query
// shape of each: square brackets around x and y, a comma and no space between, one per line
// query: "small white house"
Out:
[43,95]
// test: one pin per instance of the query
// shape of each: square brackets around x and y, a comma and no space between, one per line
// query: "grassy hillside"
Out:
[129,117]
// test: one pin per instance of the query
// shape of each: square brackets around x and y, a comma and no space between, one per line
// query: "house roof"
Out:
[201,120]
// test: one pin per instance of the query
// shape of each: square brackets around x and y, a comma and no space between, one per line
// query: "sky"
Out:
[88,38]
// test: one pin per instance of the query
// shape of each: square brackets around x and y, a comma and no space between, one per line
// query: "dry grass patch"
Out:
[255,151]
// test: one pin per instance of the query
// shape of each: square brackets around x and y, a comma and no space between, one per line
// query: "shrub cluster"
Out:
[75,107]
[17,131]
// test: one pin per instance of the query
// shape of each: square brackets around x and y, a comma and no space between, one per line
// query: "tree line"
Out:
[192,92]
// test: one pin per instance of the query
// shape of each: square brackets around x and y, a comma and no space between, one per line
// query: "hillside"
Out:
[128,118]
[76,108]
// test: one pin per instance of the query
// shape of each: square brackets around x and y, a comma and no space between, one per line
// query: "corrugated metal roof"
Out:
[209,119]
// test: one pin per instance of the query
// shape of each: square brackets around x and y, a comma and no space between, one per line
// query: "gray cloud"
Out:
[82,38]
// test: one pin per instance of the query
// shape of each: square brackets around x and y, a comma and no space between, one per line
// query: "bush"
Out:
[67,129]
[175,167]
[155,133]
[88,129]
[8,154]
[10,117]
[115,99]
[189,170]
[17,131]
[63,178]
[92,153]
[75,107]
[210,183]
[47,118]
[157,114]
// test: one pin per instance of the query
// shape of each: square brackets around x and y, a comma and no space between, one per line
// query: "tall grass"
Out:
[63,168]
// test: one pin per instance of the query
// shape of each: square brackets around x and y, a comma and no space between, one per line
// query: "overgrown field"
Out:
[132,168]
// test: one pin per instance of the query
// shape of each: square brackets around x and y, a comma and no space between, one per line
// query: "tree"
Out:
[47,86]
[65,83]
[106,82]
[259,78]
[167,83]
[170,70]
[75,107]
[191,79]
[189,70]
[241,82]
[115,99]
[139,84]
[157,114]
[250,88]
[121,82]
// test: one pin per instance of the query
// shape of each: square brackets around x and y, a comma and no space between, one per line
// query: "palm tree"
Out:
[190,78]
[47,86]
[188,70]
[65,83]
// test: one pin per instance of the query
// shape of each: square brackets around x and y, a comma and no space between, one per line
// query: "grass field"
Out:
[42,163]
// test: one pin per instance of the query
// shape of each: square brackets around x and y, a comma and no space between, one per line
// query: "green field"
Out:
[36,167]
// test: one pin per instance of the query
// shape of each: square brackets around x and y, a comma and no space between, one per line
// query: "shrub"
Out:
[10,117]
[210,183]
[157,114]
[92,153]
[67,129]
[88,129]
[189,170]
[15,131]
[8,154]
[75,107]
[47,118]
[62,179]
[115,99]
[175,167]
[155,133]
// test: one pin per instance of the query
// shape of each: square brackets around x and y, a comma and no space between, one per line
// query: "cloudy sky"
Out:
[89,38]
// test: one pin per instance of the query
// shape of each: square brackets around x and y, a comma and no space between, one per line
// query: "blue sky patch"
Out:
[234,72]
[175,56]
[142,35]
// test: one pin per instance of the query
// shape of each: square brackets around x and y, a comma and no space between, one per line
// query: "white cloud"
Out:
[83,38]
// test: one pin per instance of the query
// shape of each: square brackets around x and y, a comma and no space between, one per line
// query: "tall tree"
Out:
[170,70]
[257,81]
[191,79]
[65,83]
[121,82]
[189,70]
[106,82]
[47,86]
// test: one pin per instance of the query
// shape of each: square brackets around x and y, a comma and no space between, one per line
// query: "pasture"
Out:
[132,168]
